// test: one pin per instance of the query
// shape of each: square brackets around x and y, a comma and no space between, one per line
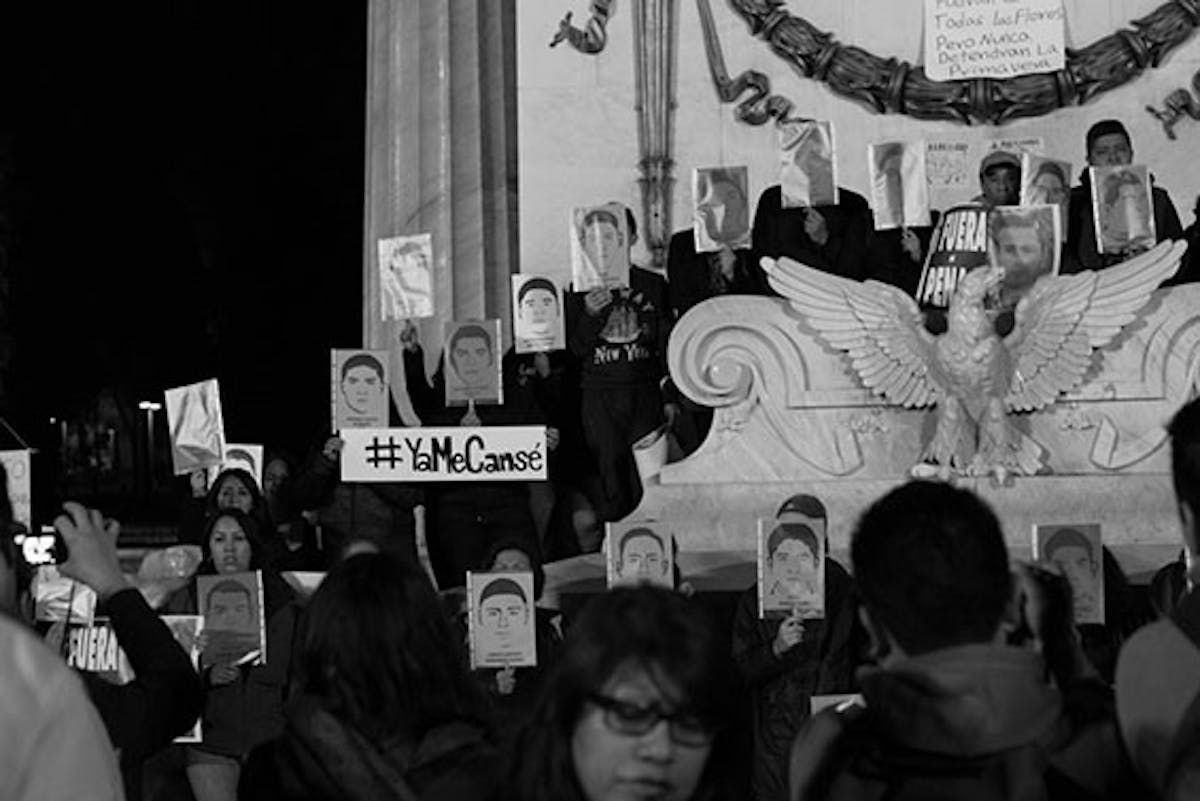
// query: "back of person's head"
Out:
[375,646]
[930,562]
[662,634]
[1185,463]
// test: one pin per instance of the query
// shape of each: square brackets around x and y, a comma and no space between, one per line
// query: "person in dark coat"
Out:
[384,706]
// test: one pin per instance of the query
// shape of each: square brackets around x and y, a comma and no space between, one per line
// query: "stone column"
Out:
[441,158]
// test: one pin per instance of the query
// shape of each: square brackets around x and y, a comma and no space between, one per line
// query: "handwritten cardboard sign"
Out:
[993,38]
[497,453]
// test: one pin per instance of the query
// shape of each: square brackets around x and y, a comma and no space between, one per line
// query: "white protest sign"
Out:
[499,453]
[20,485]
[993,38]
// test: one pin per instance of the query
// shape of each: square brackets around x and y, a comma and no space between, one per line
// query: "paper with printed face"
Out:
[721,208]
[791,567]
[501,619]
[197,427]
[473,362]
[232,607]
[1077,550]
[1123,209]
[406,277]
[600,243]
[640,553]
[899,187]
[807,164]
[537,308]
[358,388]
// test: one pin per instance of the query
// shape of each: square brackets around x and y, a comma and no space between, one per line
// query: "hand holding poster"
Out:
[1026,241]
[472,362]
[1122,209]
[537,314]
[899,188]
[497,453]
[600,244]
[234,625]
[1078,552]
[807,164]
[406,277]
[358,388]
[500,619]
[197,428]
[791,568]
[639,553]
[721,217]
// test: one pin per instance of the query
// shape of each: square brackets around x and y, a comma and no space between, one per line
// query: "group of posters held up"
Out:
[406,277]
[501,619]
[1077,550]
[197,426]
[358,388]
[1026,241]
[234,623]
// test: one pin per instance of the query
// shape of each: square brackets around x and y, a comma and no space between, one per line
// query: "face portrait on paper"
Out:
[406,276]
[642,558]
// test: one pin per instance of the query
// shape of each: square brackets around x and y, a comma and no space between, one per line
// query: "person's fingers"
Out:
[74,516]
[112,530]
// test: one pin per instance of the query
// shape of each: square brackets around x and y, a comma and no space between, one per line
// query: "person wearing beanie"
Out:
[1108,145]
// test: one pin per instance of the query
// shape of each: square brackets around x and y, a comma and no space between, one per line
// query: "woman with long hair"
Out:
[638,706]
[383,705]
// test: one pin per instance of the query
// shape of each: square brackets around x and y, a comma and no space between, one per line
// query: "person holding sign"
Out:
[793,570]
[1109,145]
[600,245]
[785,659]
[244,703]
[464,519]
[383,705]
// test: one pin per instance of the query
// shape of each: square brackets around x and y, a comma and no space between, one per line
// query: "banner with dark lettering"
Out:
[497,453]
[959,244]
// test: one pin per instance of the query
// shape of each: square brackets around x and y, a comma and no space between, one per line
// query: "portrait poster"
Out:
[537,309]
[1026,241]
[791,567]
[234,625]
[807,164]
[1045,181]
[501,619]
[1077,550]
[472,362]
[721,208]
[18,469]
[406,277]
[599,247]
[899,187]
[959,244]
[639,553]
[1122,209]
[358,388]
[243,457]
[197,428]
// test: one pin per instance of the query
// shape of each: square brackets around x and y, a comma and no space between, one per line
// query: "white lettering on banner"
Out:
[993,38]
[498,453]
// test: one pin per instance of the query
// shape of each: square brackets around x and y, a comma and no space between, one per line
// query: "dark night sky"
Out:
[187,191]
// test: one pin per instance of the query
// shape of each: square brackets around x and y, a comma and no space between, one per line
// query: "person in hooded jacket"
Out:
[384,706]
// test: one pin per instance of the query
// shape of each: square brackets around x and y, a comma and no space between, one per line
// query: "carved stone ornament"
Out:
[890,85]
[1178,104]
[592,37]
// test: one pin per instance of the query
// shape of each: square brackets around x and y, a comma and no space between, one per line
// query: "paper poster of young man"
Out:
[599,248]
[231,605]
[807,164]
[537,307]
[406,277]
[1026,241]
[899,187]
[1075,549]
[473,362]
[1045,180]
[242,456]
[359,388]
[639,553]
[721,208]
[1121,209]
[197,427]
[500,619]
[791,568]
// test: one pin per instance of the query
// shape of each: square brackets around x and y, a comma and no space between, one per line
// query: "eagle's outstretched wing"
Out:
[877,325]
[1063,319]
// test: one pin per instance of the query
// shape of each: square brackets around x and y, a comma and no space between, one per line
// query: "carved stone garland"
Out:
[888,85]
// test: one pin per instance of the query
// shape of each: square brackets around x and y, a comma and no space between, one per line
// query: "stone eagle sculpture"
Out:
[976,378]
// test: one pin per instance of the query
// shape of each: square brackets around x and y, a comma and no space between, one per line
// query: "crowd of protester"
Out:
[959,672]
